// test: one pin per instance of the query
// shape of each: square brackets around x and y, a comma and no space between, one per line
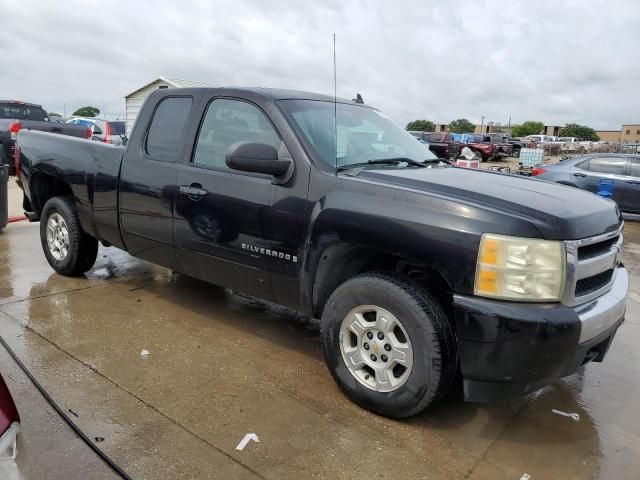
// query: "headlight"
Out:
[524,269]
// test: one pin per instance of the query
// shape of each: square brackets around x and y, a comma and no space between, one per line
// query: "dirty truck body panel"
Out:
[284,239]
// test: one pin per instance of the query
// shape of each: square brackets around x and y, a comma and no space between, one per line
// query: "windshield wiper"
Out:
[393,161]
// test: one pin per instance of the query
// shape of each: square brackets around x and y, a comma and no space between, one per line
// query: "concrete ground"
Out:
[222,365]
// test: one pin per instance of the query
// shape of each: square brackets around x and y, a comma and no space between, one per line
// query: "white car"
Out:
[102,130]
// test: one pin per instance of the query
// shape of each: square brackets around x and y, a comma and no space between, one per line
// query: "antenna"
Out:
[335,102]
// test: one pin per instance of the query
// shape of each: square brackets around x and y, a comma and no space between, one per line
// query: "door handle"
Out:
[193,191]
[576,174]
[633,182]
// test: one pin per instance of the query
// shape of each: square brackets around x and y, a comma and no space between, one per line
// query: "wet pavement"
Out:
[222,365]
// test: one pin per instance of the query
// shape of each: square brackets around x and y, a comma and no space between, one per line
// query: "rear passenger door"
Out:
[148,181]
[631,200]
[587,175]
[222,215]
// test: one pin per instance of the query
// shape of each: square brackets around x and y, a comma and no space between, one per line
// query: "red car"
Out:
[9,423]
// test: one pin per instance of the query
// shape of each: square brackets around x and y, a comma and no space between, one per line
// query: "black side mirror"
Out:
[257,158]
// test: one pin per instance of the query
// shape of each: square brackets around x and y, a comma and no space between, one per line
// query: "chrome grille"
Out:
[591,266]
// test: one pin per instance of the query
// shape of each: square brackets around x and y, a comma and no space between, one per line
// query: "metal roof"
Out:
[174,82]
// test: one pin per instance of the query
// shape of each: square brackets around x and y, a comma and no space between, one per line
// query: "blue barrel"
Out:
[605,188]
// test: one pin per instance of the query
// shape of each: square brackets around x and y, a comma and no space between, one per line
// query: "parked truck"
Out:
[421,273]
[16,115]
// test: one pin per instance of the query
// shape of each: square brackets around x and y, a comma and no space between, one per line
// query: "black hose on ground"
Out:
[103,456]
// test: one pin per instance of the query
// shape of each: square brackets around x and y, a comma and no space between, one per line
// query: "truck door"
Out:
[148,181]
[221,221]
[631,200]
[587,175]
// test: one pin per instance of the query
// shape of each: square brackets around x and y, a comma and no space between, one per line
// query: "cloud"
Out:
[557,63]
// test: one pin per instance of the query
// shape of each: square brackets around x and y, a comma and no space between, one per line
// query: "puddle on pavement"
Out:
[189,327]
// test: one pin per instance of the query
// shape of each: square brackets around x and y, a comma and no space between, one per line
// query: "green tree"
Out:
[87,112]
[579,131]
[461,125]
[421,126]
[54,114]
[529,127]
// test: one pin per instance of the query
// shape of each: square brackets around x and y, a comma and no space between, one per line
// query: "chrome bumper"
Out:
[600,314]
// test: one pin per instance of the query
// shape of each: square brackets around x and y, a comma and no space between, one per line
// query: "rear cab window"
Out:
[166,127]
[18,111]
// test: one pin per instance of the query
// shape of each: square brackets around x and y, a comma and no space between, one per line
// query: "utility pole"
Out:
[482,124]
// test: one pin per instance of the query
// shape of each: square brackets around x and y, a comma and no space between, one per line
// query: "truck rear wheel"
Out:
[68,249]
[388,344]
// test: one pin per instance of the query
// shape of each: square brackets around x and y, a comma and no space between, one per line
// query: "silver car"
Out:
[102,130]
[585,172]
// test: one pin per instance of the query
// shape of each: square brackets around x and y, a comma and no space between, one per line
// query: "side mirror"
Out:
[257,158]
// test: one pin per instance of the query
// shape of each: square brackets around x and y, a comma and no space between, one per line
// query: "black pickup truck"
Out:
[16,115]
[422,273]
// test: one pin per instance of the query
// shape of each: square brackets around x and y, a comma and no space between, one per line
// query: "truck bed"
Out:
[7,143]
[90,167]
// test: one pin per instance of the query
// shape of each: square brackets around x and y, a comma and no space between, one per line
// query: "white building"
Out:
[133,101]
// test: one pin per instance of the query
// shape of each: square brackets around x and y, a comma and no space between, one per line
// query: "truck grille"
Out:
[593,283]
[591,266]
[595,249]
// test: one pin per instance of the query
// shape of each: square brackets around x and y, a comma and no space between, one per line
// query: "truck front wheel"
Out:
[388,344]
[68,249]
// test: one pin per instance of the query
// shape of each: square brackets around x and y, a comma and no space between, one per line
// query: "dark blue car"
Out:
[586,171]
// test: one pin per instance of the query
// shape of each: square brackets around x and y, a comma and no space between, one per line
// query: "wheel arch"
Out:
[43,186]
[340,261]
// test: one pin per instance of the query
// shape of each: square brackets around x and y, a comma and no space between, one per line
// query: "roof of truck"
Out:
[279,93]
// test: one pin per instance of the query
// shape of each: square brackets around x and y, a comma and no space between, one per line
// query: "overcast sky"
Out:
[553,61]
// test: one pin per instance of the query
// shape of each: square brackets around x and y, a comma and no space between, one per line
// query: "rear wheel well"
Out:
[44,187]
[338,263]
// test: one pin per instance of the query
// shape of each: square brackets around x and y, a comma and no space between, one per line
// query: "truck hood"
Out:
[559,212]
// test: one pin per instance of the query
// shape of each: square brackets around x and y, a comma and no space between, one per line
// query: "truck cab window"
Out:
[227,122]
[163,139]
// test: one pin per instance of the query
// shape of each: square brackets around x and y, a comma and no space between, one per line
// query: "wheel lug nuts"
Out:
[384,358]
[370,335]
[387,347]
[366,346]
[373,357]
[380,335]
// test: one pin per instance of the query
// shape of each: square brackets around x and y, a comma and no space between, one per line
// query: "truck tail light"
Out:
[107,133]
[14,128]
[16,159]
[89,133]
[537,171]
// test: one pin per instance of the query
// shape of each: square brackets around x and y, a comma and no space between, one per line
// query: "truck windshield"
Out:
[363,134]
[19,111]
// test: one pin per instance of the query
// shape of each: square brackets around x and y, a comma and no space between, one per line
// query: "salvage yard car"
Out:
[421,272]
[588,171]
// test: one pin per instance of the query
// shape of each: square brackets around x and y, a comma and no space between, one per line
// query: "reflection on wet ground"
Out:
[222,365]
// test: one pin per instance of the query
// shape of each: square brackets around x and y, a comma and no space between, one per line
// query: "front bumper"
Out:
[508,349]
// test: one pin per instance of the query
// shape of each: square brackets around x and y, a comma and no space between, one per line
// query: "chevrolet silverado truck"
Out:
[423,274]
[16,115]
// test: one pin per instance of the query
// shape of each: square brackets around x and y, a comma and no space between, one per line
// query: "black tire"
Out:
[516,153]
[3,161]
[429,331]
[83,248]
